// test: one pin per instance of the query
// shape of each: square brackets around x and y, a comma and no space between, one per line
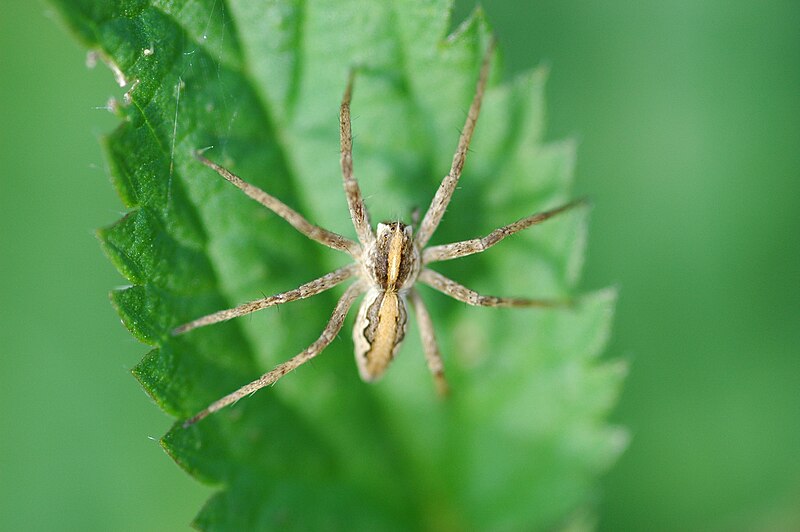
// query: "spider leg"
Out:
[477,245]
[442,198]
[327,336]
[309,289]
[355,202]
[314,232]
[432,355]
[470,297]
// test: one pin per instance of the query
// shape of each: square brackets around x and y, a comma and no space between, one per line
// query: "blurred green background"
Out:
[688,116]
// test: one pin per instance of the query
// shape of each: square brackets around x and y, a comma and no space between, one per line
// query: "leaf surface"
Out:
[523,436]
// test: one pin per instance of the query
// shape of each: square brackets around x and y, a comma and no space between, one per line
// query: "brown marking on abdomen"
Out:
[385,331]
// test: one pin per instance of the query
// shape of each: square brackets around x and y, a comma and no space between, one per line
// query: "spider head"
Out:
[393,263]
[386,229]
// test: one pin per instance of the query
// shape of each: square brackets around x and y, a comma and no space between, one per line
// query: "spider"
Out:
[388,262]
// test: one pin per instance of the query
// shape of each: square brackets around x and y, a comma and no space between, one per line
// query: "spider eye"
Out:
[386,229]
[383,229]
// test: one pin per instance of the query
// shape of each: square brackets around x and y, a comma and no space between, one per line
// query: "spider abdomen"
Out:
[378,332]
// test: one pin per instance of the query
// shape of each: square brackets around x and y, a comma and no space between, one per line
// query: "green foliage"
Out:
[523,435]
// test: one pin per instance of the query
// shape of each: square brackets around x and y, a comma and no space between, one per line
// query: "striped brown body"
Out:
[393,265]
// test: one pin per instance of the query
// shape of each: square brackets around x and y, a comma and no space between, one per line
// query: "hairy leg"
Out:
[476,245]
[432,355]
[327,336]
[470,297]
[442,198]
[358,211]
[309,289]
[314,232]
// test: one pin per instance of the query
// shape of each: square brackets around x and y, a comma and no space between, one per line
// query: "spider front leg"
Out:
[432,355]
[471,297]
[442,198]
[327,336]
[314,232]
[355,201]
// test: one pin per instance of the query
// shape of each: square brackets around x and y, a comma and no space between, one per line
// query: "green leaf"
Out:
[523,436]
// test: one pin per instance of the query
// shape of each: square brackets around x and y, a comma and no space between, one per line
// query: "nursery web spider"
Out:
[387,264]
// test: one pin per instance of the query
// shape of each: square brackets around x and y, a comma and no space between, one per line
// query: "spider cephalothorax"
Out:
[387,265]
[393,261]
